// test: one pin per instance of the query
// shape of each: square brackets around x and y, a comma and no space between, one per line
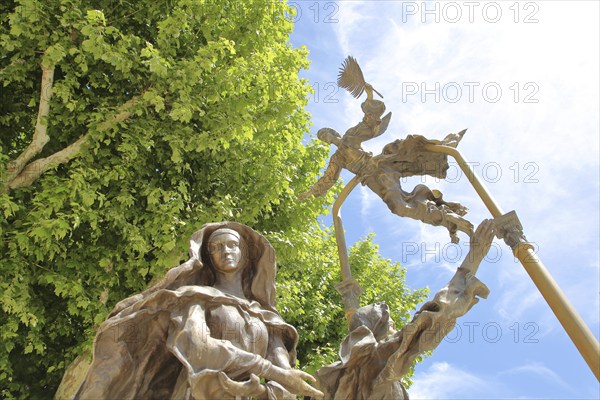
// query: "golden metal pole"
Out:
[573,324]
[339,228]
[575,327]
[489,202]
[349,289]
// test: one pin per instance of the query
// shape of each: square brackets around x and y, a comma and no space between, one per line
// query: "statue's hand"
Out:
[249,388]
[293,380]
[482,239]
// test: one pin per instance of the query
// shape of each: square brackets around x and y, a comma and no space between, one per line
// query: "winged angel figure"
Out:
[401,158]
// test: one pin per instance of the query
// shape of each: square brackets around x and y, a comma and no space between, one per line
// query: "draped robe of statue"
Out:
[184,339]
[374,357]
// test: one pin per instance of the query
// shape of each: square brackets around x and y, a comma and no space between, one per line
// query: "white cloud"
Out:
[367,200]
[554,141]
[547,152]
[445,381]
[538,369]
[350,16]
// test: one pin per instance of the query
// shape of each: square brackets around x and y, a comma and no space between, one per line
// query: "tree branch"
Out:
[35,169]
[40,136]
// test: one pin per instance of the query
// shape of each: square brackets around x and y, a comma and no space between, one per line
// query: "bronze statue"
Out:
[401,158]
[374,356]
[351,78]
[208,330]
[382,174]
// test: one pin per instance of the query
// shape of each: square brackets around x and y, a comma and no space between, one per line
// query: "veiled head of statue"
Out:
[376,317]
[228,252]
[255,257]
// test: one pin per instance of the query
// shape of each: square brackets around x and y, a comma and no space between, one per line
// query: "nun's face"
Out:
[225,251]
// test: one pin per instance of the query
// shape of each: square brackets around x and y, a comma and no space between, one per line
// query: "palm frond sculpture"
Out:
[351,78]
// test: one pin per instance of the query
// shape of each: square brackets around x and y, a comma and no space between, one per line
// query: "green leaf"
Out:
[96,17]
[195,114]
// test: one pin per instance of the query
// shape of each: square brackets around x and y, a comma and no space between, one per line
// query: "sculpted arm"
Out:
[480,244]
[290,379]
[437,317]
[329,178]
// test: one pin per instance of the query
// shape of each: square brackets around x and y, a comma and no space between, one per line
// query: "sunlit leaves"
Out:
[308,299]
[206,141]
[215,133]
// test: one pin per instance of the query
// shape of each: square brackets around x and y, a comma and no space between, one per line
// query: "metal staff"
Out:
[512,233]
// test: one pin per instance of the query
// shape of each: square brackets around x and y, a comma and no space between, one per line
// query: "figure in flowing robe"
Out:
[208,330]
[399,159]
[374,356]
[382,173]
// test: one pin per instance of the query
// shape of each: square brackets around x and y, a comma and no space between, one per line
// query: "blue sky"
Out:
[523,77]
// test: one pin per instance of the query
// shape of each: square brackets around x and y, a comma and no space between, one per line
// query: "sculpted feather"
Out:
[351,78]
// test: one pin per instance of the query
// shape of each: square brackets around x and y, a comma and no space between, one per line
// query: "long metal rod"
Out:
[573,324]
[348,288]
[339,228]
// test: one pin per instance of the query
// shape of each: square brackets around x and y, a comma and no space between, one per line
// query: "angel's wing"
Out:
[351,77]
[385,121]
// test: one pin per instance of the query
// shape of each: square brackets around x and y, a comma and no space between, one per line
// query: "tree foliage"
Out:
[308,299]
[125,126]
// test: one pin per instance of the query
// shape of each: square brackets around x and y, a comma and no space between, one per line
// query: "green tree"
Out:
[308,299]
[125,126]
